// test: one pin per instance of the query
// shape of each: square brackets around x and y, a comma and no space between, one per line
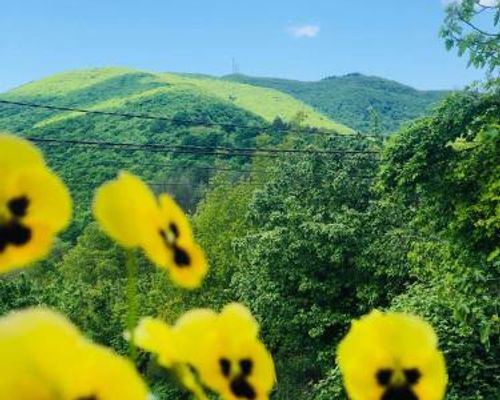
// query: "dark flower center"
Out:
[241,388]
[398,392]
[13,233]
[246,366]
[239,385]
[412,376]
[18,206]
[174,229]
[384,376]
[225,367]
[91,397]
[181,257]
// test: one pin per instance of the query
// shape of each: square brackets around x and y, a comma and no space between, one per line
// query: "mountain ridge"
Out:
[129,83]
[355,99]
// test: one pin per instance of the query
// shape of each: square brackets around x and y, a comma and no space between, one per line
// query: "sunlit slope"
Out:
[267,103]
[65,83]
[116,88]
[352,98]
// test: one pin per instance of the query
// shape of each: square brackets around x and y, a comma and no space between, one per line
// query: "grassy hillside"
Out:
[114,88]
[181,98]
[349,99]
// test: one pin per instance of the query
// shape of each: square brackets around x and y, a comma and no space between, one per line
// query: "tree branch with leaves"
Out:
[472,26]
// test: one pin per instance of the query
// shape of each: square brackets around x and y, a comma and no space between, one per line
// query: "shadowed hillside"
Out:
[355,99]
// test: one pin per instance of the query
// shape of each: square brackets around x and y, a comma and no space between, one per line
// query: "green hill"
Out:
[349,98]
[179,98]
[113,88]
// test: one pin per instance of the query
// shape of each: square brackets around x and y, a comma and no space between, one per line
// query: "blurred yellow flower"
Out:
[390,355]
[129,213]
[35,205]
[233,361]
[223,348]
[185,260]
[44,357]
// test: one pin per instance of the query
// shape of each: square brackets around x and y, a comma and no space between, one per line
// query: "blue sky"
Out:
[306,39]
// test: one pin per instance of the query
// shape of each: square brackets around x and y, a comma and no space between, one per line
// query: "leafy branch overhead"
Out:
[472,27]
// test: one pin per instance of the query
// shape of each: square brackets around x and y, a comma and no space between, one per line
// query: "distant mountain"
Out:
[115,88]
[355,100]
[221,112]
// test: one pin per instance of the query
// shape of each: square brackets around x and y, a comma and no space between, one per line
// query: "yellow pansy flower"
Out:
[172,246]
[392,356]
[44,357]
[233,361]
[223,348]
[130,214]
[35,205]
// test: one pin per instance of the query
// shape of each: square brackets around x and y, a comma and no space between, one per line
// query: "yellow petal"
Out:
[39,348]
[173,226]
[16,153]
[191,331]
[126,210]
[236,320]
[175,249]
[173,215]
[103,375]
[44,357]
[188,276]
[156,337]
[229,337]
[45,212]
[236,351]
[37,248]
[49,201]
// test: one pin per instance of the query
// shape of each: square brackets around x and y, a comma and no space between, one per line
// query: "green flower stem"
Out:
[131,302]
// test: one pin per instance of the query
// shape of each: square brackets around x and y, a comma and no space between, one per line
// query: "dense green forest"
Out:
[365,103]
[309,241]
[318,230]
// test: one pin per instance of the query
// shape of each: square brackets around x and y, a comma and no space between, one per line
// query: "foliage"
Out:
[219,222]
[472,27]
[446,168]
[319,246]
[296,260]
[307,241]
[352,98]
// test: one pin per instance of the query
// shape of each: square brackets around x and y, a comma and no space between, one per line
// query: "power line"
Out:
[93,184]
[168,166]
[198,150]
[172,166]
[312,130]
